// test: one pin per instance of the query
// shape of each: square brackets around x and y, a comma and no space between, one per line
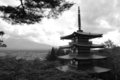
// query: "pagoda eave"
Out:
[68,36]
[91,57]
[64,47]
[91,70]
[88,35]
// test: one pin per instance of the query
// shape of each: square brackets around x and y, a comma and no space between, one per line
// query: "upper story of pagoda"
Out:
[81,33]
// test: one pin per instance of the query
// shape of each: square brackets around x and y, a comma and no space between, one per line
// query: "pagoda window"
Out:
[76,39]
[76,50]
[76,63]
[72,51]
[73,39]
[73,62]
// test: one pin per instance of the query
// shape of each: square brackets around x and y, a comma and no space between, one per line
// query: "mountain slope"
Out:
[22,44]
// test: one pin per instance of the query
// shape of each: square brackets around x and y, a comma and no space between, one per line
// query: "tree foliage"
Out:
[109,44]
[51,56]
[54,53]
[112,52]
[32,11]
[20,69]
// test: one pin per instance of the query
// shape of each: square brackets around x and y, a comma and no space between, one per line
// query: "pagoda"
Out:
[81,58]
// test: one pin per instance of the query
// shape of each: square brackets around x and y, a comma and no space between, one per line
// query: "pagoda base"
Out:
[90,70]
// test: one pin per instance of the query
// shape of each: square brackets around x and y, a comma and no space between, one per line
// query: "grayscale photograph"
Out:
[59,40]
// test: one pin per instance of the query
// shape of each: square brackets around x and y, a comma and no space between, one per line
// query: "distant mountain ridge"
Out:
[22,44]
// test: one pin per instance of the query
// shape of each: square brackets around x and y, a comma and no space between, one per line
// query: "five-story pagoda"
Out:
[80,57]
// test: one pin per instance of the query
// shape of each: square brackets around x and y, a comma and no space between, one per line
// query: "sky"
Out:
[97,16]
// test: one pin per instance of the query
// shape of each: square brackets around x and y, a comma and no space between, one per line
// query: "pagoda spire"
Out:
[79,20]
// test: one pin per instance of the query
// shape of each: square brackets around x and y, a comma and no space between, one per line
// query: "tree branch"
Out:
[21,1]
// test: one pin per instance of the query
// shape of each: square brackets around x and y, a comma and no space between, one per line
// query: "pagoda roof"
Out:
[94,69]
[90,57]
[79,33]
[82,45]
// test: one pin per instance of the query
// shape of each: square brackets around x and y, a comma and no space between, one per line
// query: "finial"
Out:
[78,9]
[79,20]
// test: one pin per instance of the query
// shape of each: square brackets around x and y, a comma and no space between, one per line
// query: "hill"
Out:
[22,44]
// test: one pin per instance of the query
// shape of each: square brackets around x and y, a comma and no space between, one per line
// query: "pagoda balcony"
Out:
[71,43]
[82,45]
[89,44]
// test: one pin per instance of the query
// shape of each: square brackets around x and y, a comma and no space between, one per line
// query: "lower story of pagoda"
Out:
[90,70]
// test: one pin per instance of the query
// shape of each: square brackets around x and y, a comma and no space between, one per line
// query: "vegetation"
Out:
[13,69]
[21,69]
[54,53]
[111,50]
[109,44]
[32,11]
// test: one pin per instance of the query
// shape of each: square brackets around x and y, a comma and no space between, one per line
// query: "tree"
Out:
[1,41]
[54,53]
[51,56]
[60,52]
[32,11]
[109,44]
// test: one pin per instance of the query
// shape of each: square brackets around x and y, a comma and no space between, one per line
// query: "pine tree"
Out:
[1,41]
[32,11]
[51,56]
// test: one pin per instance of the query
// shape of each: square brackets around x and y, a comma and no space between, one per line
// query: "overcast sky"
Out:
[98,16]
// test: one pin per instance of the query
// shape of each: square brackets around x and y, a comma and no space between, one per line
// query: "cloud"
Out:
[113,36]
[10,2]
[94,12]
[97,16]
[102,16]
[45,32]
[2,3]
